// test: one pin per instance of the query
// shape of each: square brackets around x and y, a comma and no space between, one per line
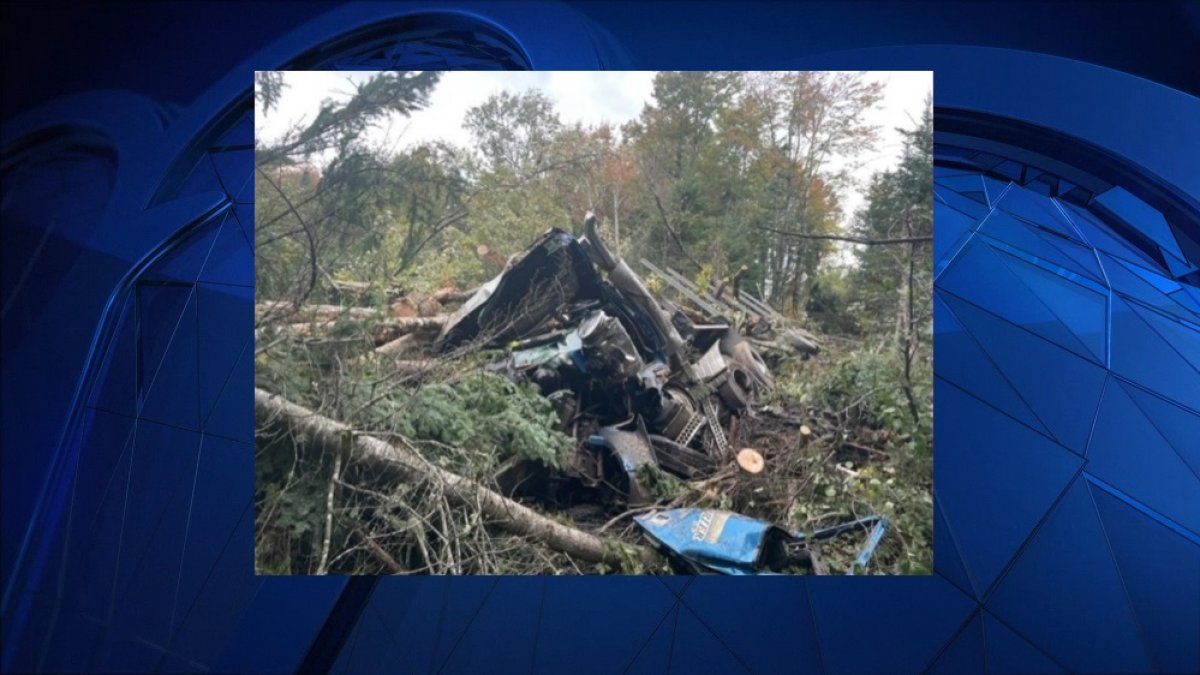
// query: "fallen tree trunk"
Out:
[410,306]
[414,305]
[381,333]
[399,346]
[395,328]
[414,367]
[364,287]
[407,464]
[449,295]
[485,252]
[294,313]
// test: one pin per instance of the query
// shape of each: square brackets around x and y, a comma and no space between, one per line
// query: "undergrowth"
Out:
[869,456]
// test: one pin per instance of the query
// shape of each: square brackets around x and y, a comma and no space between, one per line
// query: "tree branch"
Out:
[666,223]
[272,410]
[852,240]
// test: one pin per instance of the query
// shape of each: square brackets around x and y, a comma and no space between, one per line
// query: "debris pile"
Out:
[666,402]
[645,385]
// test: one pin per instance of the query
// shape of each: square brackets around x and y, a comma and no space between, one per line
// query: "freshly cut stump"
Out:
[750,460]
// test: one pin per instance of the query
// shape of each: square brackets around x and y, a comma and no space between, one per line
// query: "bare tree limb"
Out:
[666,222]
[378,551]
[852,240]
[296,313]
[323,566]
[312,241]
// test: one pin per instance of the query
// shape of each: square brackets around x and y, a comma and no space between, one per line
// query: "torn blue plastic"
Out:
[716,541]
[709,540]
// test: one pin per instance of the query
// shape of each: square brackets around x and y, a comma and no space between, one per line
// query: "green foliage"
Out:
[714,174]
[290,484]
[268,87]
[729,162]
[339,124]
[487,412]
[664,486]
[514,131]
[899,204]
[869,385]
[829,304]
[865,392]
[897,490]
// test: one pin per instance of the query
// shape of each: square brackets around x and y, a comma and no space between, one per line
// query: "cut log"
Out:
[399,346]
[365,287]
[413,367]
[407,465]
[414,305]
[307,329]
[426,327]
[404,308]
[395,328]
[283,308]
[294,330]
[453,295]
[485,252]
[429,307]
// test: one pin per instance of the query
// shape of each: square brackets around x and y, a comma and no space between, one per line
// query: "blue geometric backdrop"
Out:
[1067,438]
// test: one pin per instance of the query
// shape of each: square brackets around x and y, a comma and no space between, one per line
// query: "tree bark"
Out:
[395,328]
[295,313]
[449,295]
[381,334]
[272,410]
[399,345]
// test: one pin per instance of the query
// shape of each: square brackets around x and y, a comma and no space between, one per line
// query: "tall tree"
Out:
[813,117]
[894,283]
[514,131]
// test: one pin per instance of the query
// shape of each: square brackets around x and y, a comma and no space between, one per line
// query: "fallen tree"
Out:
[389,330]
[399,346]
[332,436]
[294,312]
[382,332]
[453,295]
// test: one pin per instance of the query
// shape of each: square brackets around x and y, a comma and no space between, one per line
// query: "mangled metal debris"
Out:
[765,326]
[580,323]
[707,541]
[642,382]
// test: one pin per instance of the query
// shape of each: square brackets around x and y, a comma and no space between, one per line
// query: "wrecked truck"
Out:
[649,385]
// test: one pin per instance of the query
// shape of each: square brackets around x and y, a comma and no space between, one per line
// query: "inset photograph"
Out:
[593,323]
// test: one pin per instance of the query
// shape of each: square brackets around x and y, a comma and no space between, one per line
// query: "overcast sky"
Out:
[584,96]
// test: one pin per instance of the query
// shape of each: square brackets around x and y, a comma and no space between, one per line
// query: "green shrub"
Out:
[487,412]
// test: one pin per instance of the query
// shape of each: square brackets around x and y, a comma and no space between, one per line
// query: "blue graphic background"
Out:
[1067,458]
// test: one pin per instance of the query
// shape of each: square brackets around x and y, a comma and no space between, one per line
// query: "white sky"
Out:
[590,97]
